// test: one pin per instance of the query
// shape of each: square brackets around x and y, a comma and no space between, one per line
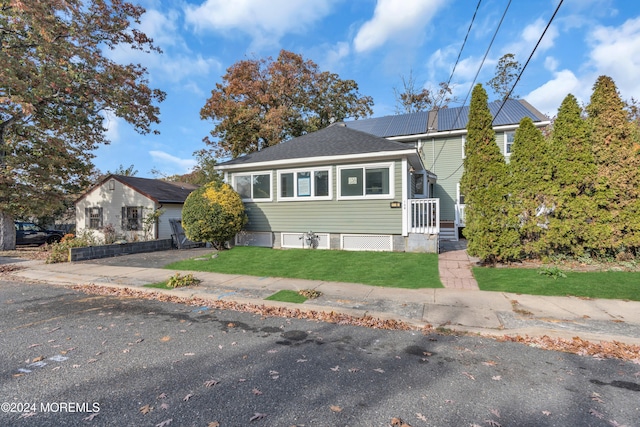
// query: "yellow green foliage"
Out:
[213,213]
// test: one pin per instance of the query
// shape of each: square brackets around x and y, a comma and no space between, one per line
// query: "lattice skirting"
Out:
[254,238]
[366,242]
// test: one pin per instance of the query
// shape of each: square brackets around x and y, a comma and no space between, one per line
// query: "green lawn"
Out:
[287,296]
[389,269]
[601,284]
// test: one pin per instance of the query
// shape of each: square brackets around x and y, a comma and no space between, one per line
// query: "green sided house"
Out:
[353,190]
[440,136]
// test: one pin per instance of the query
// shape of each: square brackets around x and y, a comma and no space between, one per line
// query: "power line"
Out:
[482,63]
[456,63]
[529,59]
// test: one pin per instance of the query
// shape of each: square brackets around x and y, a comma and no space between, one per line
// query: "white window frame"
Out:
[312,171]
[506,133]
[364,167]
[251,175]
[425,184]
[464,145]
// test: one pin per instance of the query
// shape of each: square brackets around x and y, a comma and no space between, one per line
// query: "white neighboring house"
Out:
[124,201]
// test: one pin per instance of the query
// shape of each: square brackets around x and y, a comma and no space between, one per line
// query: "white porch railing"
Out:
[424,216]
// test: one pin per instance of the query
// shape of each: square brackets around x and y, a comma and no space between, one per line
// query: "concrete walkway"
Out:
[462,309]
[455,266]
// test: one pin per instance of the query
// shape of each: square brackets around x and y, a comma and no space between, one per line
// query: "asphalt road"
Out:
[72,359]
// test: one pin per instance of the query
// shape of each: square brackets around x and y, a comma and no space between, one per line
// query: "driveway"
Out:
[151,259]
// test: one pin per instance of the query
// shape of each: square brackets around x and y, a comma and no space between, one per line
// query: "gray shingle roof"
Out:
[335,140]
[159,190]
[445,119]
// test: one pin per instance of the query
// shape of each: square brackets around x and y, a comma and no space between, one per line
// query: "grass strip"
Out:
[287,296]
[622,285]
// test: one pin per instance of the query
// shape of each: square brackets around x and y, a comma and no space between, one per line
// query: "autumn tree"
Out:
[573,228]
[262,102]
[412,99]
[121,170]
[507,71]
[529,178]
[202,173]
[56,84]
[491,232]
[618,166]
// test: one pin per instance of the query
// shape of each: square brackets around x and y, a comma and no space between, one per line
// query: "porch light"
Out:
[395,204]
[411,169]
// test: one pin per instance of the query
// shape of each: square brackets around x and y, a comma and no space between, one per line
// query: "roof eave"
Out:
[315,160]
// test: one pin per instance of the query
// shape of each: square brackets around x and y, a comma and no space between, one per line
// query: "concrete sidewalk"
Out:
[487,313]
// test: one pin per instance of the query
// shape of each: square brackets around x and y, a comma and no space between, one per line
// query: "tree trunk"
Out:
[7,232]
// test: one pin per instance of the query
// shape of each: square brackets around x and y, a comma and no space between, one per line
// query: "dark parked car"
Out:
[28,233]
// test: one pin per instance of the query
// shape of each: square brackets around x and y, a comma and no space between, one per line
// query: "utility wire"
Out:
[529,59]
[464,42]
[482,63]
[456,63]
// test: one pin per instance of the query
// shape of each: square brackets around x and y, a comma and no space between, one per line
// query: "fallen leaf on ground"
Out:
[547,413]
[335,369]
[468,375]
[164,406]
[421,417]
[257,416]
[146,409]
[596,413]
[162,396]
[187,397]
[164,423]
[210,383]
[379,370]
[496,377]
[335,408]
[165,339]
[91,417]
[256,392]
[37,359]
[492,423]
[213,424]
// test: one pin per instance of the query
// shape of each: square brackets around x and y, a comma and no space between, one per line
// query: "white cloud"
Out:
[162,28]
[616,53]
[548,97]
[550,63]
[264,21]
[393,20]
[172,162]
[529,37]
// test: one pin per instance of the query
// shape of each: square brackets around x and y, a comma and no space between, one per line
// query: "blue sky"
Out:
[375,43]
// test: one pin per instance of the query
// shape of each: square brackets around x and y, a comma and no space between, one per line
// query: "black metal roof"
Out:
[335,140]
[445,119]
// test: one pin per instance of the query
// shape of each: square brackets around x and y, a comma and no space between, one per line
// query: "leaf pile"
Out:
[602,350]
[330,317]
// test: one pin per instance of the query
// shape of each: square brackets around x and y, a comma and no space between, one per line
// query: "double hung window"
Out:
[253,186]
[508,142]
[304,184]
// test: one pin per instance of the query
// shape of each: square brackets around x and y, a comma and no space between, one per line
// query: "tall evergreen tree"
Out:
[618,166]
[491,236]
[573,228]
[530,174]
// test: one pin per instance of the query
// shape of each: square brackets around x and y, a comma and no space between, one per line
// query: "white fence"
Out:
[424,216]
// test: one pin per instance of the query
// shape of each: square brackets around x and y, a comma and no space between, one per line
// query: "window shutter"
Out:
[124,218]
[87,212]
[100,213]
